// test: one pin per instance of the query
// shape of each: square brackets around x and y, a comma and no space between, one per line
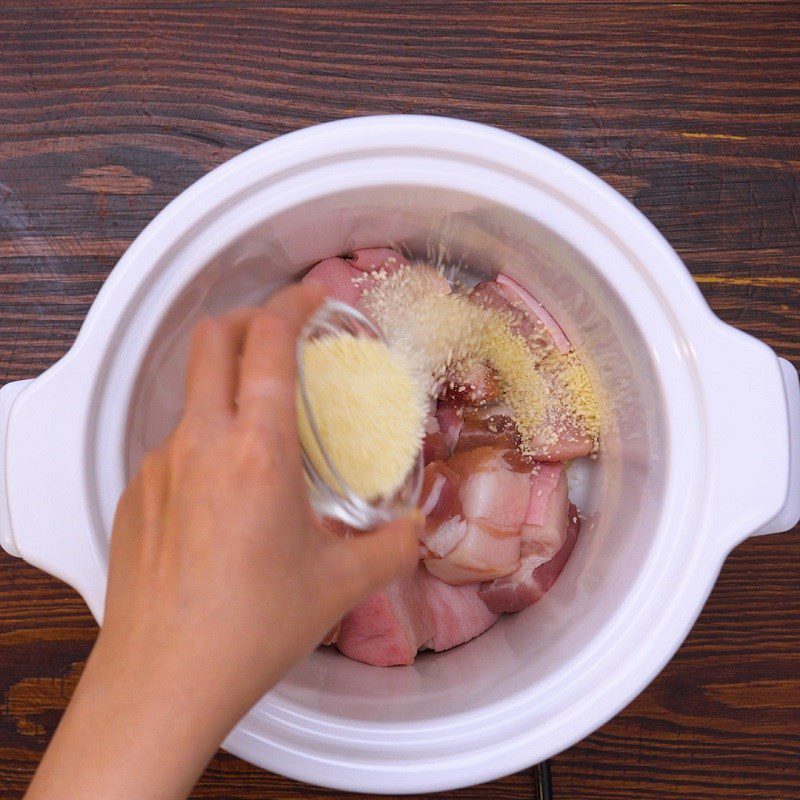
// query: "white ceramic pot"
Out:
[702,451]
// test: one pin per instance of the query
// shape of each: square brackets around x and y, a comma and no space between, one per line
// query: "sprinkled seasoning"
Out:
[443,334]
[369,411]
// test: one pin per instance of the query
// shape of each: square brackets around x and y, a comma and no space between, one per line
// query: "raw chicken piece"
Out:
[547,540]
[538,311]
[458,613]
[390,627]
[558,439]
[427,279]
[336,275]
[547,574]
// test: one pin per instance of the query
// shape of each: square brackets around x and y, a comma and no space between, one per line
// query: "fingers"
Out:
[211,374]
[269,362]
[382,556]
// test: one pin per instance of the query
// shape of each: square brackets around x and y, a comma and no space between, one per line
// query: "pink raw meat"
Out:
[343,277]
[545,547]
[494,500]
[570,442]
[428,279]
[336,275]
[491,294]
[440,503]
[483,553]
[545,479]
[367,259]
[434,445]
[390,627]
[490,490]
[539,311]
[490,426]
[450,424]
[473,385]
[458,613]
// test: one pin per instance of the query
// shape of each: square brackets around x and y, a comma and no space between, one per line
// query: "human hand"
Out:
[220,577]
[217,561]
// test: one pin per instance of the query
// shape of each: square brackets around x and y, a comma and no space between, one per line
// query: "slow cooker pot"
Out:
[702,447]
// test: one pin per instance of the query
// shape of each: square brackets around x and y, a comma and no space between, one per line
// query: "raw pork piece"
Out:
[434,445]
[548,537]
[491,490]
[473,384]
[489,426]
[494,500]
[537,310]
[368,259]
[484,552]
[441,505]
[336,275]
[491,294]
[383,262]
[343,277]
[450,424]
[559,438]
[390,626]
[458,613]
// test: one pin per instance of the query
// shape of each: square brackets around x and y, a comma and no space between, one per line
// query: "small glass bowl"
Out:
[342,503]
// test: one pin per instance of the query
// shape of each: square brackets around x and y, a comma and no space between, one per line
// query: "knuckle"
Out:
[271,326]
[150,464]
[206,330]
[211,330]
[255,449]
[186,441]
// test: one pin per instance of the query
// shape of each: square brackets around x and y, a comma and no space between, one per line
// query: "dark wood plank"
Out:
[692,110]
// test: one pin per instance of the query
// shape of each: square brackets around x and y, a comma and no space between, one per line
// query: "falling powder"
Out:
[438,331]
[369,410]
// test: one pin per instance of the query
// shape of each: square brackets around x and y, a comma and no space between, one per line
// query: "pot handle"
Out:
[45,517]
[752,403]
[789,515]
[8,394]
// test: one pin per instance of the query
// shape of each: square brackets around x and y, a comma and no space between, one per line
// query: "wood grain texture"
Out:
[692,110]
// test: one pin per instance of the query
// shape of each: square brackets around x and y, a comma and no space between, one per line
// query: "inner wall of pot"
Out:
[619,493]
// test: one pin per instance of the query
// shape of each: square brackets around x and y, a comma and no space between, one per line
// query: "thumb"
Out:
[385,554]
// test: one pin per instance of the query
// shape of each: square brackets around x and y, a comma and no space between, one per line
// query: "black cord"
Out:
[542,782]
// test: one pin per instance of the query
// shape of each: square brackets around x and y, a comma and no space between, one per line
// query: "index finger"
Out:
[269,362]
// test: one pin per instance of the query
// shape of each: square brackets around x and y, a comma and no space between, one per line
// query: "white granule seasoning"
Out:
[436,329]
[369,410]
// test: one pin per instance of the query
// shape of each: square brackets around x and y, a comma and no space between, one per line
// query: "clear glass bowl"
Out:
[342,503]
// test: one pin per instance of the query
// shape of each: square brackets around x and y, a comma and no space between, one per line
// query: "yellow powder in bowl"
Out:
[369,411]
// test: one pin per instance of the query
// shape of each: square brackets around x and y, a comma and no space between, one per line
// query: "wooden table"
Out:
[692,110]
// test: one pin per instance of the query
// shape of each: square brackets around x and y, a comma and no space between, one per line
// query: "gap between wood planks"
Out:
[771,280]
